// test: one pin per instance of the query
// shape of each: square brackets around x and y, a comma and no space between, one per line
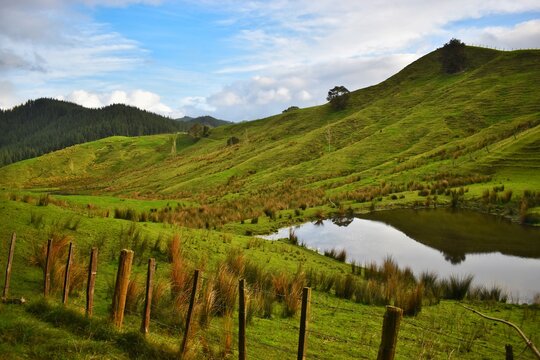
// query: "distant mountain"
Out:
[44,125]
[203,120]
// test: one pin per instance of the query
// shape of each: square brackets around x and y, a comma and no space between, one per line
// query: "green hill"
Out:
[419,128]
[203,120]
[43,125]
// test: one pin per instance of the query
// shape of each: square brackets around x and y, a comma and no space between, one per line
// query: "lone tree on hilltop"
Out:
[453,57]
[338,97]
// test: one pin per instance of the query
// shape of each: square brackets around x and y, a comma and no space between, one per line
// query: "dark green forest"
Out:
[44,125]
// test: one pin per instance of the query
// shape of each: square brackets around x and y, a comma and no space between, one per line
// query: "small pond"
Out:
[495,251]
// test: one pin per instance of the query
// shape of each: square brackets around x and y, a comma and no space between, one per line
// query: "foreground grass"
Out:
[340,329]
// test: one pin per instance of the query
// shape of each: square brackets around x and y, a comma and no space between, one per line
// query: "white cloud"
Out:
[46,41]
[296,50]
[195,104]
[142,99]
[7,95]
[524,35]
[301,86]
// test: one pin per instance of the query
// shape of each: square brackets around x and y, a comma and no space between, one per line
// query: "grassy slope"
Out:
[418,123]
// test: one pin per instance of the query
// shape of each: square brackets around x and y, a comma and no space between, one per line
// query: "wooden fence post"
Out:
[509,352]
[190,313]
[392,319]
[47,279]
[67,274]
[91,282]
[120,289]
[241,320]
[145,325]
[304,320]
[8,266]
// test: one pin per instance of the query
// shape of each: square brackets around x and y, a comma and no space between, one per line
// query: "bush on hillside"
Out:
[453,57]
[338,97]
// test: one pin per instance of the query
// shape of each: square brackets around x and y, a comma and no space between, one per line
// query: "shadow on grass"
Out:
[131,342]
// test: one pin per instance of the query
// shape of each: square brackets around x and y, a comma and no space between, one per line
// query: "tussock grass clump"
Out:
[293,238]
[339,255]
[206,306]
[160,303]
[43,200]
[226,291]
[37,220]
[432,289]
[345,286]
[370,293]
[410,300]
[57,258]
[456,287]
[181,277]
[134,295]
[482,293]
[288,291]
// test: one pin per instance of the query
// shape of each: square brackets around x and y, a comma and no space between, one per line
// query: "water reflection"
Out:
[494,251]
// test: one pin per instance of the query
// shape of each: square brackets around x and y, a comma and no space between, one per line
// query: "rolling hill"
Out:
[417,129]
[203,120]
[43,125]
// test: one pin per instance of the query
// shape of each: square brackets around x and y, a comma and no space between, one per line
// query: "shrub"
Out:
[338,97]
[290,108]
[453,57]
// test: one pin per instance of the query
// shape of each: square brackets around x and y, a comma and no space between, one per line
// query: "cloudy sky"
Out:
[236,60]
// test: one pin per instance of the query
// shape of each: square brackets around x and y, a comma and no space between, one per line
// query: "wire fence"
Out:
[345,331]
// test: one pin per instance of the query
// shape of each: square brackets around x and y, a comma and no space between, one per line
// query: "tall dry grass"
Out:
[57,259]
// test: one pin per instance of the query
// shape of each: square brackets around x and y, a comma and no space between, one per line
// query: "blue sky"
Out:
[237,60]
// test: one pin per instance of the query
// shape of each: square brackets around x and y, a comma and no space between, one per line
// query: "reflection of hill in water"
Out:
[458,233]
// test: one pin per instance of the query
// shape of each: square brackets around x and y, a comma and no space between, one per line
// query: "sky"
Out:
[234,60]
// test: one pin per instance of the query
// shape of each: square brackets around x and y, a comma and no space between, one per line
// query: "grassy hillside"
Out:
[419,129]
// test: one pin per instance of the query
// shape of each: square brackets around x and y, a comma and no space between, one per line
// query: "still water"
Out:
[495,251]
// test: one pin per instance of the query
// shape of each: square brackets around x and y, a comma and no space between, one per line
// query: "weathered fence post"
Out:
[190,313]
[91,282]
[304,320]
[8,266]
[509,352]
[47,279]
[392,319]
[67,274]
[241,320]
[120,289]
[145,325]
